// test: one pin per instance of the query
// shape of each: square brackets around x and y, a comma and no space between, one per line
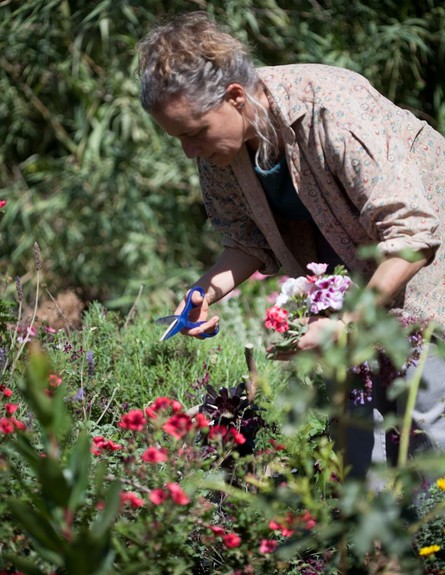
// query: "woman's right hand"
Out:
[199,312]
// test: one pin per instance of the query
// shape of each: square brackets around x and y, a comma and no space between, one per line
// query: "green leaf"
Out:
[89,555]
[37,526]
[79,466]
[108,515]
[25,565]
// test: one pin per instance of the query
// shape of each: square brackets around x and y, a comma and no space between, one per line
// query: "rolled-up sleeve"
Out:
[229,214]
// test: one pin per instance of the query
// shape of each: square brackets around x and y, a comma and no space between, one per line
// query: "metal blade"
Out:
[168,332]
[167,319]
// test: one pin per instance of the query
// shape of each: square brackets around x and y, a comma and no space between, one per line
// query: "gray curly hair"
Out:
[191,56]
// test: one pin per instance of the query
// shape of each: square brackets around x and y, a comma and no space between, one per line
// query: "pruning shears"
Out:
[176,323]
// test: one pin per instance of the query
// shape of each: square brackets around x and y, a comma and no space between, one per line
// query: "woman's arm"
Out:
[392,275]
[232,268]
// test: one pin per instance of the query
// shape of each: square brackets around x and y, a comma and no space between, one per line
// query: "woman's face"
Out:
[217,135]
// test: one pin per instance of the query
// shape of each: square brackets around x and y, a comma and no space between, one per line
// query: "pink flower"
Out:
[178,494]
[158,496]
[231,540]
[155,455]
[276,318]
[178,425]
[2,204]
[317,269]
[29,332]
[268,546]
[132,499]
[54,380]
[50,330]
[6,391]
[258,276]
[133,420]
[231,295]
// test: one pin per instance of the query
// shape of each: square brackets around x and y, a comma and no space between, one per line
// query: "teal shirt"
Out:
[285,202]
[279,189]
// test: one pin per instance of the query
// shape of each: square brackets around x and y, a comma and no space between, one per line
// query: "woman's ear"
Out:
[236,96]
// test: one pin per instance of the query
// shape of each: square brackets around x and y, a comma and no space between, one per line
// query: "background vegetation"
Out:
[111,201]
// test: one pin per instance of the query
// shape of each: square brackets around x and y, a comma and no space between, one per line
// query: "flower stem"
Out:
[411,401]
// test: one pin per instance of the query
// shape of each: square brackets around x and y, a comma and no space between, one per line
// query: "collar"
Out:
[276,81]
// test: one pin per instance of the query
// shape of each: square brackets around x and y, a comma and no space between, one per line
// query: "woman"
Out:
[302,163]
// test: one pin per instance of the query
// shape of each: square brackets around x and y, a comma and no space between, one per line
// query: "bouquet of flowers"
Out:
[321,294]
[316,294]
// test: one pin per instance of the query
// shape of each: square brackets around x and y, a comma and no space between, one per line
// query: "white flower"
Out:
[317,269]
[292,287]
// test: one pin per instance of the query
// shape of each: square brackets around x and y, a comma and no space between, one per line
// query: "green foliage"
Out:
[112,202]
[78,492]
[50,514]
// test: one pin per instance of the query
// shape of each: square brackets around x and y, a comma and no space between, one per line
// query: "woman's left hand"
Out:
[319,329]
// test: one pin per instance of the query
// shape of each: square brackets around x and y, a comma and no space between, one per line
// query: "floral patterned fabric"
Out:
[368,171]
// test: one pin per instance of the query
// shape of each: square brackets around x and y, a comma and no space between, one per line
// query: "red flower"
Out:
[2,204]
[178,494]
[231,540]
[155,455]
[134,420]
[201,421]
[6,425]
[176,406]
[161,403]
[308,520]
[54,380]
[277,446]
[101,444]
[11,408]
[150,413]
[217,432]
[158,496]
[6,391]
[238,437]
[276,318]
[132,499]
[268,546]
[18,424]
[217,530]
[178,425]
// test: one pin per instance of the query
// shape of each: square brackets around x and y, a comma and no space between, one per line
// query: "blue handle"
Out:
[182,321]
[189,305]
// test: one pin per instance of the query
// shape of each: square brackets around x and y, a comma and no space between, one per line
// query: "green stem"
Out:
[411,401]
[26,338]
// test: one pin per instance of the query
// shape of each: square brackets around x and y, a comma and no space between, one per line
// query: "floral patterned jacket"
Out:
[368,171]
